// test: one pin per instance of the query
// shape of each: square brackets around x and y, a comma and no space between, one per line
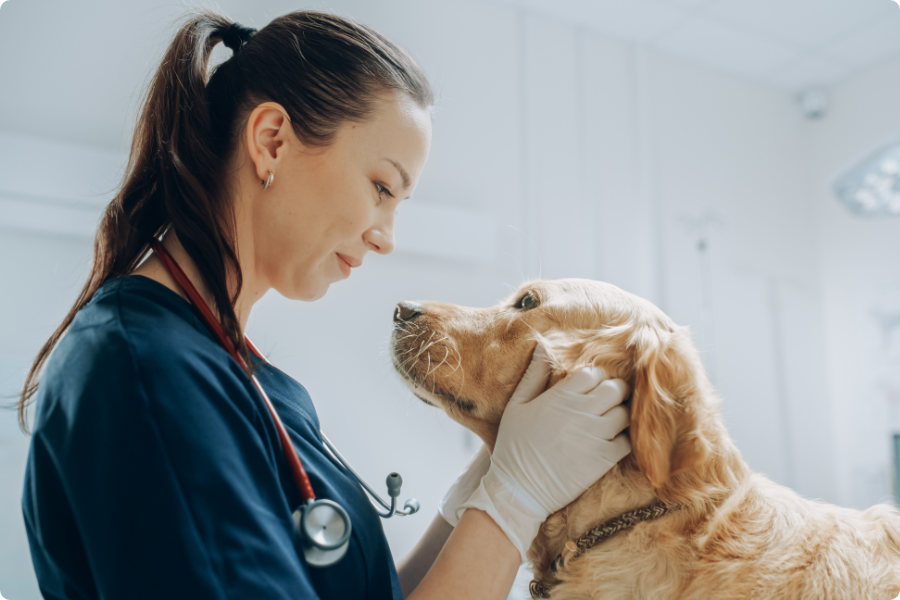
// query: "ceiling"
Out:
[91,58]
[792,44]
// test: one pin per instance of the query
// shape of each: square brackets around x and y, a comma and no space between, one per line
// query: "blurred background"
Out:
[730,160]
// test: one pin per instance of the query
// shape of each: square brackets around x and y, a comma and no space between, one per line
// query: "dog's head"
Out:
[468,361]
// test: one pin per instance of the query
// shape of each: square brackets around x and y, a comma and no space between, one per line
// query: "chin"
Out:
[318,294]
[310,295]
[303,291]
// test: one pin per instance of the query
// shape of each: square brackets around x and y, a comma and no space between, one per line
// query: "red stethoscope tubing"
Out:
[290,453]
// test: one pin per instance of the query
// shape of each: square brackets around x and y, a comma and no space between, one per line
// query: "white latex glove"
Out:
[464,485]
[551,447]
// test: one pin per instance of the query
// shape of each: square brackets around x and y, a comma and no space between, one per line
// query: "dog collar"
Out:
[541,589]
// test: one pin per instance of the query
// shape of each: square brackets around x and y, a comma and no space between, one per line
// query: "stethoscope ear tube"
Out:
[394,482]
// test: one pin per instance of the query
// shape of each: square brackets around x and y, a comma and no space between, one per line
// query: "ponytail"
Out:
[169,181]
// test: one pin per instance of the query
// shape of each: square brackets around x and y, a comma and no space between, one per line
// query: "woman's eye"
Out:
[383,190]
[527,301]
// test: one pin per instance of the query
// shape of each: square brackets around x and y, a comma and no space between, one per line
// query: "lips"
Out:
[346,263]
[349,260]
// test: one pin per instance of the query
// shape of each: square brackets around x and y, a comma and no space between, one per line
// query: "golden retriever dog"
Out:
[731,533]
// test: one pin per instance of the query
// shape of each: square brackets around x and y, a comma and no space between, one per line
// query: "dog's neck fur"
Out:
[625,488]
[696,490]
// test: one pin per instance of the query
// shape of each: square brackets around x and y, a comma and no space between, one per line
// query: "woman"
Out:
[155,470]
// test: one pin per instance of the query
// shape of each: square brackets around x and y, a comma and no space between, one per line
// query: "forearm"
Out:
[477,562]
[415,565]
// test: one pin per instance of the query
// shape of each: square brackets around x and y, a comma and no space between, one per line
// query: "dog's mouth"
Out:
[424,400]
[434,390]
[427,388]
[411,383]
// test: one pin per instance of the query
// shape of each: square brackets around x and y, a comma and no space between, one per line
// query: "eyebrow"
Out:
[403,174]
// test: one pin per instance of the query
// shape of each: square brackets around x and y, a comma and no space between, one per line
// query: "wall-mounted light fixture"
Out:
[872,188]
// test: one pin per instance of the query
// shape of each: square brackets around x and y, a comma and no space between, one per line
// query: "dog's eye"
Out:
[527,301]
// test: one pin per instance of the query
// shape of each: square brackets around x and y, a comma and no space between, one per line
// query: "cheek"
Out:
[352,223]
[329,227]
[326,209]
[348,214]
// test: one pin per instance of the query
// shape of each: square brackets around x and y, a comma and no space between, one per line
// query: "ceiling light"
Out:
[872,188]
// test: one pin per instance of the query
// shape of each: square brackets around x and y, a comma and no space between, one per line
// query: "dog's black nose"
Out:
[407,311]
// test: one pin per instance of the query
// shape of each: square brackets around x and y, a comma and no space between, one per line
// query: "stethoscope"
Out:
[323,525]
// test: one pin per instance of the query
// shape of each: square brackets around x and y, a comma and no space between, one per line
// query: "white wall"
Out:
[728,169]
[585,156]
[860,279]
[40,275]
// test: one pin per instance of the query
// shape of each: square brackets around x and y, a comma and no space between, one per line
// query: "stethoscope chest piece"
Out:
[324,530]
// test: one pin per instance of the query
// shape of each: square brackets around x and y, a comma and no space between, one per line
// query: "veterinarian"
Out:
[158,467]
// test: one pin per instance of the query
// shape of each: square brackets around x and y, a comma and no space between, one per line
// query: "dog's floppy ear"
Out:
[665,432]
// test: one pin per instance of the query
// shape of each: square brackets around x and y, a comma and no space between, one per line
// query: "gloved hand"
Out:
[464,485]
[551,447]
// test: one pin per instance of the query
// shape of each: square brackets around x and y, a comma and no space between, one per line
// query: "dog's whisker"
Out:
[422,349]
[430,344]
[458,363]
[423,344]
[462,372]
[408,350]
[440,364]
[409,360]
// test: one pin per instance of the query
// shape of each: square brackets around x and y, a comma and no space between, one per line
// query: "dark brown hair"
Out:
[323,69]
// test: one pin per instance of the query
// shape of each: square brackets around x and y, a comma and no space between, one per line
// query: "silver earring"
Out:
[268,180]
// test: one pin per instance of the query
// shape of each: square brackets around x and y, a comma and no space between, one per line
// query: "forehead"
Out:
[397,129]
[398,111]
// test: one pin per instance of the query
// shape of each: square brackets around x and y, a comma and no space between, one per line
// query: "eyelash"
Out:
[382,190]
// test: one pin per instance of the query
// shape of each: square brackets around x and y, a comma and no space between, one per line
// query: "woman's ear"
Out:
[266,134]
[666,434]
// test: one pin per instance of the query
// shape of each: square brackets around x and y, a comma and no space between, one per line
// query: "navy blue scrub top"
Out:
[155,470]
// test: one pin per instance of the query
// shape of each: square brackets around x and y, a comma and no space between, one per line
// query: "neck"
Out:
[251,288]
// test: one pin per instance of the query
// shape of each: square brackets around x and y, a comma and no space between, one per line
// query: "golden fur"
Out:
[737,535]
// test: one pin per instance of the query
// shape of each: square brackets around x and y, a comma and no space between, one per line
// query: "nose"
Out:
[407,311]
[381,239]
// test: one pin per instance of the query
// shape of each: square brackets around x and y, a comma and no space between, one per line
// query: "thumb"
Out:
[534,381]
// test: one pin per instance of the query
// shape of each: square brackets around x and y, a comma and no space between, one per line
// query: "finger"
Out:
[534,381]
[609,393]
[583,380]
[613,422]
[619,447]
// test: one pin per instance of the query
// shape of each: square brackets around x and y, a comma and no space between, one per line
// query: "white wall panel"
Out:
[621,160]
[858,266]
[556,212]
[746,356]
[801,329]
[730,171]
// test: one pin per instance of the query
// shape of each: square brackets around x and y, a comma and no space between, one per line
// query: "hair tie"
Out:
[236,36]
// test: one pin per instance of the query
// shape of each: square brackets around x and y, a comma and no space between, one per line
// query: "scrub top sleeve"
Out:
[172,477]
